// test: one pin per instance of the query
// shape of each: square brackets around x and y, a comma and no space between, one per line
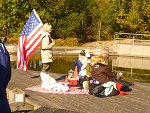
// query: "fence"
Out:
[132,39]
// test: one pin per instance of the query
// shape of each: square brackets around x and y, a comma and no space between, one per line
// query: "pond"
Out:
[134,69]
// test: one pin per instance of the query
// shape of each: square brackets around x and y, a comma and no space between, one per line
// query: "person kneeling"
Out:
[105,78]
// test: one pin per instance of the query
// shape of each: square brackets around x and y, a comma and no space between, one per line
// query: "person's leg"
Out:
[46,67]
[81,80]
[47,81]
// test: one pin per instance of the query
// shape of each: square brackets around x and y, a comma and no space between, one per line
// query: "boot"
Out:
[44,79]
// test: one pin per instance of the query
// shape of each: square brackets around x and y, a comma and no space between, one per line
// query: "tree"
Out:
[102,18]
[13,12]
[85,19]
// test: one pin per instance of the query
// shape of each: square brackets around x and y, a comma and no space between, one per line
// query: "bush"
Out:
[12,40]
[70,41]
[59,42]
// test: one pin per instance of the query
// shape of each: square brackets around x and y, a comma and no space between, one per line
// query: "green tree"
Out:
[87,20]
[130,16]
[13,13]
[102,18]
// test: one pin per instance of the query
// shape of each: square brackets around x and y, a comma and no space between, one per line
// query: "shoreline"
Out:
[61,50]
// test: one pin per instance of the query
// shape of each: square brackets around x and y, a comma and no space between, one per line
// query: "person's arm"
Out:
[88,70]
[78,64]
[84,62]
[84,66]
[46,44]
[109,72]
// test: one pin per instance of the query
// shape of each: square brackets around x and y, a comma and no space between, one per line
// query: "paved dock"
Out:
[137,101]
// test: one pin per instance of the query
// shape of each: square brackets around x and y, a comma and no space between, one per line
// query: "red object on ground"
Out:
[73,82]
[118,85]
[122,93]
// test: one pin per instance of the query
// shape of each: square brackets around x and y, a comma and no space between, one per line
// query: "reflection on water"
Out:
[137,69]
[134,69]
[61,64]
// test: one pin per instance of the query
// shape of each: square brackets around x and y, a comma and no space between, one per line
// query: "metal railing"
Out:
[131,38]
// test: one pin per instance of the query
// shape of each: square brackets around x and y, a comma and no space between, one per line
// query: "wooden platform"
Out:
[137,101]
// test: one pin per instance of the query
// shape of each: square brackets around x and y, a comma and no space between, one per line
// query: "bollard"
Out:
[16,95]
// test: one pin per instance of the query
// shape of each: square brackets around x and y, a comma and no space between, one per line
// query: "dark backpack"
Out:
[125,85]
[99,89]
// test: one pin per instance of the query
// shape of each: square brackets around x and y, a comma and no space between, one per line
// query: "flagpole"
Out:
[37,15]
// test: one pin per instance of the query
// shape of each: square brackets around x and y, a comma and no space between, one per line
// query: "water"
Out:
[61,64]
[134,69]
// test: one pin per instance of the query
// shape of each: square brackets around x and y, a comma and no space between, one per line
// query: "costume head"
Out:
[97,59]
[83,53]
[47,27]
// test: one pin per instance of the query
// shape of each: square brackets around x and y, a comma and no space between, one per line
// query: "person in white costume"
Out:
[48,82]
[46,55]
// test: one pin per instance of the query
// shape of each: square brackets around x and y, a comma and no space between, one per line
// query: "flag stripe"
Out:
[20,53]
[32,50]
[32,47]
[29,40]
[33,36]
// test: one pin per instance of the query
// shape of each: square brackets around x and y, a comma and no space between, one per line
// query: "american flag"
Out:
[29,41]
